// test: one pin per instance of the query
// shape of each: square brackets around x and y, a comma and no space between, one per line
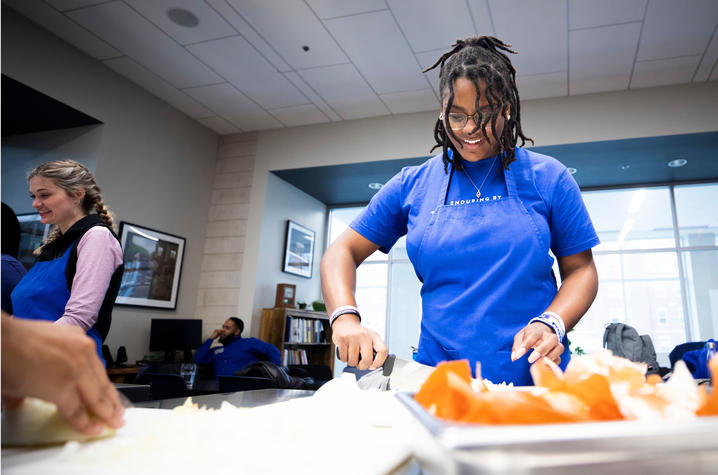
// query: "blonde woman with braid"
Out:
[79,268]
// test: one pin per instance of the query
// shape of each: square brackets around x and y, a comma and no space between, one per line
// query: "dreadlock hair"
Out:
[481,58]
[73,176]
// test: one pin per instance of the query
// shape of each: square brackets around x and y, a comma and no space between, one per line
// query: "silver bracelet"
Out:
[553,321]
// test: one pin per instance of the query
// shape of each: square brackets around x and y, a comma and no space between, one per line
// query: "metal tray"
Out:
[685,446]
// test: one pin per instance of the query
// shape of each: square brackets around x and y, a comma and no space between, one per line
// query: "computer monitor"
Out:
[171,334]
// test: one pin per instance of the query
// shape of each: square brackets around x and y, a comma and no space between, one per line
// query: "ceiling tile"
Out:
[129,32]
[299,115]
[690,23]
[663,72]
[541,86]
[590,13]
[426,59]
[378,49]
[540,42]
[429,24]
[63,5]
[211,26]
[246,30]
[158,86]
[482,17]
[219,125]
[345,90]
[240,64]
[288,25]
[300,84]
[411,101]
[234,106]
[709,61]
[333,8]
[602,58]
[58,24]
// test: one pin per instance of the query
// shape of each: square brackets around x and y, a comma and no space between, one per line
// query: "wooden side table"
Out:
[120,375]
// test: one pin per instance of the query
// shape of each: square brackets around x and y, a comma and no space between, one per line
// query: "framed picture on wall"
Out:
[298,250]
[32,234]
[153,264]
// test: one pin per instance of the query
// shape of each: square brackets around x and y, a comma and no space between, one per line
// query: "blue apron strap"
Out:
[510,180]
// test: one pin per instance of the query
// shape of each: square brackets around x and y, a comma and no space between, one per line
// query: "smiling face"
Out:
[55,205]
[472,144]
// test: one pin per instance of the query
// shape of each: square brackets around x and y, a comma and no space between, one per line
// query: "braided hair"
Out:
[481,58]
[73,176]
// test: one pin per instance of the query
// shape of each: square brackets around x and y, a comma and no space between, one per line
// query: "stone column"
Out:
[218,292]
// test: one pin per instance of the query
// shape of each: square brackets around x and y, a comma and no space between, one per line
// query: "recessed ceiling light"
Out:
[625,166]
[375,186]
[183,17]
[572,170]
[678,162]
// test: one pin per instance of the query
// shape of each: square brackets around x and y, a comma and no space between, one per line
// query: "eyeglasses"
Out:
[458,120]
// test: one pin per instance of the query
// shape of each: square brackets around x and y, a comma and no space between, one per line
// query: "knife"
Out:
[386,368]
[403,375]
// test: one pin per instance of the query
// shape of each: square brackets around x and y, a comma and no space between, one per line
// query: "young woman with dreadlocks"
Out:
[79,268]
[480,219]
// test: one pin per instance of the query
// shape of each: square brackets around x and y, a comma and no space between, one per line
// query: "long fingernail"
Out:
[534,356]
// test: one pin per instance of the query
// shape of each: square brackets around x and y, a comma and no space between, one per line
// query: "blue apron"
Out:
[486,273]
[42,295]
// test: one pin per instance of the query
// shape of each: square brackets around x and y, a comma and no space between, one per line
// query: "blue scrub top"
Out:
[484,263]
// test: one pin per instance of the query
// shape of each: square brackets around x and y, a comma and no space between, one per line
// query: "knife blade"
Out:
[404,375]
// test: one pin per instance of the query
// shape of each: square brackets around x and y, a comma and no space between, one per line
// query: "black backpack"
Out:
[624,341]
[276,374]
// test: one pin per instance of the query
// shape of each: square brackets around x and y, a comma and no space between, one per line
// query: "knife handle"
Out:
[388,365]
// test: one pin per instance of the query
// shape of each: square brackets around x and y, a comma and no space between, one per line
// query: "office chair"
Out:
[229,384]
[166,386]
[314,375]
[107,355]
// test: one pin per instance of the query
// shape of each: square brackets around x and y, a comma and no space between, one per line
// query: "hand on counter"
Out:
[58,364]
[541,339]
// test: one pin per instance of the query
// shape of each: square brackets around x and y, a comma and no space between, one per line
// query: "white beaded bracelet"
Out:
[554,321]
[343,310]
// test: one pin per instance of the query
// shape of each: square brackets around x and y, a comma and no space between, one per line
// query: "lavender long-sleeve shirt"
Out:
[98,256]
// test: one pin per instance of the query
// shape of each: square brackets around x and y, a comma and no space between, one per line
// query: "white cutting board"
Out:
[338,430]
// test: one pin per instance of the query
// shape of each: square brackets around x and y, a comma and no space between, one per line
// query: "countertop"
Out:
[337,429]
[341,429]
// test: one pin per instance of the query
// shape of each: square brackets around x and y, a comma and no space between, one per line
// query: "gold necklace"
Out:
[478,189]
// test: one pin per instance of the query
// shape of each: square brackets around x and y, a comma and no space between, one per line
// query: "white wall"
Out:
[283,202]
[22,153]
[154,164]
[593,117]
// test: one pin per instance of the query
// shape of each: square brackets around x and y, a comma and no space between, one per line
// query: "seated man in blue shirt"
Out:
[236,352]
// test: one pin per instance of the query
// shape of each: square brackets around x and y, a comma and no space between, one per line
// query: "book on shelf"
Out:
[304,330]
[294,357]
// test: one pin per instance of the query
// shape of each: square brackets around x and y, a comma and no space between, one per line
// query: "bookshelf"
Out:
[302,336]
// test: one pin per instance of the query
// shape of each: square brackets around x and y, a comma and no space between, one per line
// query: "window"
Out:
[387,290]
[659,279]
